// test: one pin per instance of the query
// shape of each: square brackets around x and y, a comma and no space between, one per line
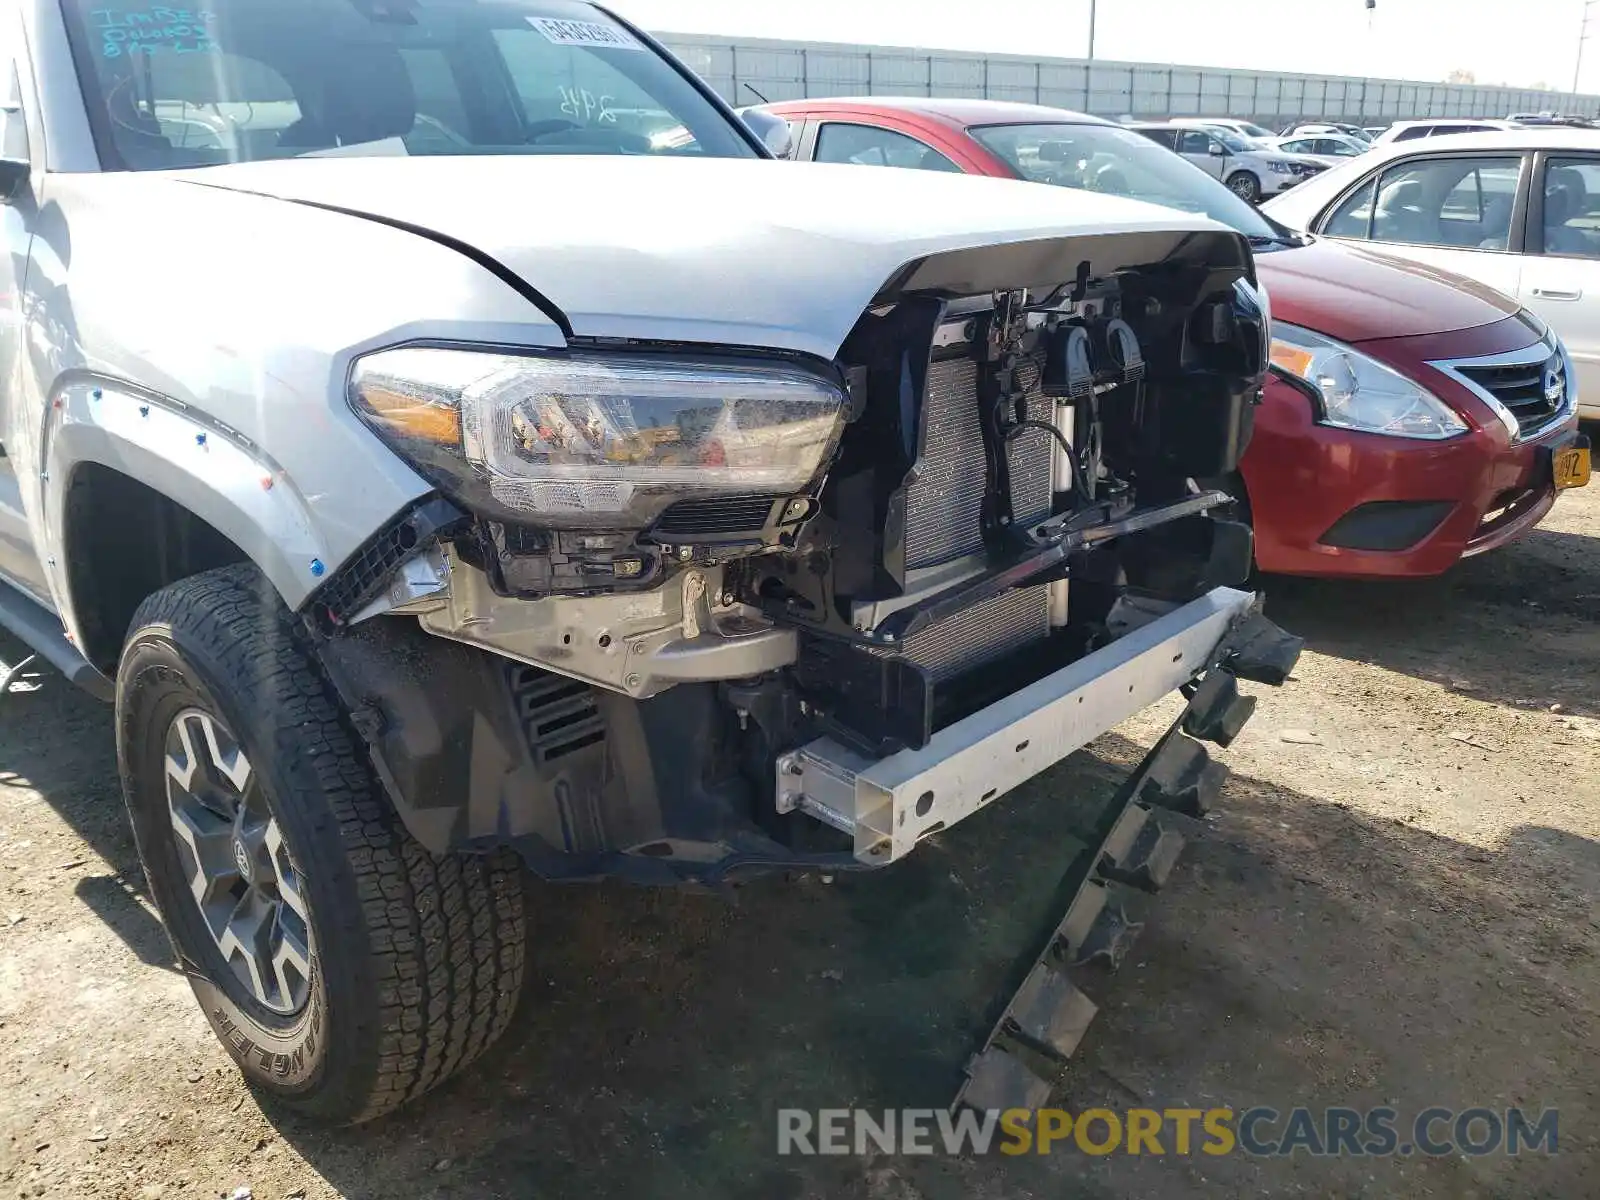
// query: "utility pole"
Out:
[1583,36]
[1091,29]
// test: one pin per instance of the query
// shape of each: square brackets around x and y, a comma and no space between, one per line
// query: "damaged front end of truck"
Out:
[683,616]
[680,616]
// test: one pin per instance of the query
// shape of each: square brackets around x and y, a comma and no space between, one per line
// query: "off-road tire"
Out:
[1246,186]
[417,959]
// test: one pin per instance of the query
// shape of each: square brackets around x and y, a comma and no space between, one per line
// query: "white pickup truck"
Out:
[455,444]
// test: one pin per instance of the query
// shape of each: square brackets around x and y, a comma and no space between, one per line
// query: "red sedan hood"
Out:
[1355,294]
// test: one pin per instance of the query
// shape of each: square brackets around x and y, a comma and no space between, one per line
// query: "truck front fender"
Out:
[210,470]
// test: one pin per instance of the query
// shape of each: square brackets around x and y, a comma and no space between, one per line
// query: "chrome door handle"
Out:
[1557,294]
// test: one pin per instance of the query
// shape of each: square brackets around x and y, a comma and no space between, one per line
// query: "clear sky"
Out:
[1522,43]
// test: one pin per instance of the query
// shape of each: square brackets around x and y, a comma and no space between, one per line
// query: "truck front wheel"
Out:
[345,969]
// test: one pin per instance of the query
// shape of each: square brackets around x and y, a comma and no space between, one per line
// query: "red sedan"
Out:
[1412,417]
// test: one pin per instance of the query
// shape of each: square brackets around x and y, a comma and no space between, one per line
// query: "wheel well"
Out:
[124,541]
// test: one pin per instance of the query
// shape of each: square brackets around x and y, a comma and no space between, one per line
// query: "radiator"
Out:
[944,517]
[944,506]
[983,632]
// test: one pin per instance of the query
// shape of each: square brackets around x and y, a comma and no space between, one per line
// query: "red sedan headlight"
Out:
[1355,391]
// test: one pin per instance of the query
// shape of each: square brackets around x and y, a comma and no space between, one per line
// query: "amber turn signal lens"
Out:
[414,418]
[1293,359]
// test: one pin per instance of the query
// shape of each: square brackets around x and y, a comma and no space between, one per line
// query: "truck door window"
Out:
[868,145]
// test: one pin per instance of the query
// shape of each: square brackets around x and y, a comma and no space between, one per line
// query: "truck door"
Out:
[18,562]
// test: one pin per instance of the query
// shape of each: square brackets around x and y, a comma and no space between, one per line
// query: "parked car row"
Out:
[1413,416]
[1253,168]
[1340,128]
[1340,139]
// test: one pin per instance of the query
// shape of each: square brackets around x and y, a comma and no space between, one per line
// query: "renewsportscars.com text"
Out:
[1258,1131]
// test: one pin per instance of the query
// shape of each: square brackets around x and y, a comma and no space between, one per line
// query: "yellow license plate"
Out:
[1572,467]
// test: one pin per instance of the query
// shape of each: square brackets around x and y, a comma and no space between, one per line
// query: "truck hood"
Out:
[1355,294]
[727,252]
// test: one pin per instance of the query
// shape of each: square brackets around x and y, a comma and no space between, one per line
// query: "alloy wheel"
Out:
[248,891]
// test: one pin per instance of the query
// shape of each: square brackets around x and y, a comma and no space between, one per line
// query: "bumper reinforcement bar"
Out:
[889,805]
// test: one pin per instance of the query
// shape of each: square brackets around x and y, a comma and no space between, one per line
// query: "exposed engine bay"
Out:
[1007,481]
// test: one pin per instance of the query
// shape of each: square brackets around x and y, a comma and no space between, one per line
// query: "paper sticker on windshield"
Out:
[598,34]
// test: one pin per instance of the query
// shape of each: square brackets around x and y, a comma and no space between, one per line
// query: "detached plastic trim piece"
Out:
[1131,849]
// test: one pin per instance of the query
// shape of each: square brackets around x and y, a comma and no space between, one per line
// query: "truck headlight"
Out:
[598,439]
[1354,391]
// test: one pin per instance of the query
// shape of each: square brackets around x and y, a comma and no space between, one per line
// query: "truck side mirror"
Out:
[14,174]
[14,169]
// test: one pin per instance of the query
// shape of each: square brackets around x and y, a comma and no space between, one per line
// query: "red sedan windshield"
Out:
[1104,158]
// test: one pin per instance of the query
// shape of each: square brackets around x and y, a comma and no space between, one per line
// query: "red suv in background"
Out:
[1412,417]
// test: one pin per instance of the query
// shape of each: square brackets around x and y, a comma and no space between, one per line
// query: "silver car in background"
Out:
[1251,173]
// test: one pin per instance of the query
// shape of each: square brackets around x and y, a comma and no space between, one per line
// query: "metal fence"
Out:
[744,69]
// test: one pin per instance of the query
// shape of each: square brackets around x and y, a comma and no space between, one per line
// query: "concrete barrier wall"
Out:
[743,69]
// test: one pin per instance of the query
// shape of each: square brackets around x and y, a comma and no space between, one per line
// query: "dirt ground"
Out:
[1396,905]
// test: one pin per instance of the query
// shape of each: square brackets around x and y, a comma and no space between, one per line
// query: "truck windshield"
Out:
[1105,158]
[220,81]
